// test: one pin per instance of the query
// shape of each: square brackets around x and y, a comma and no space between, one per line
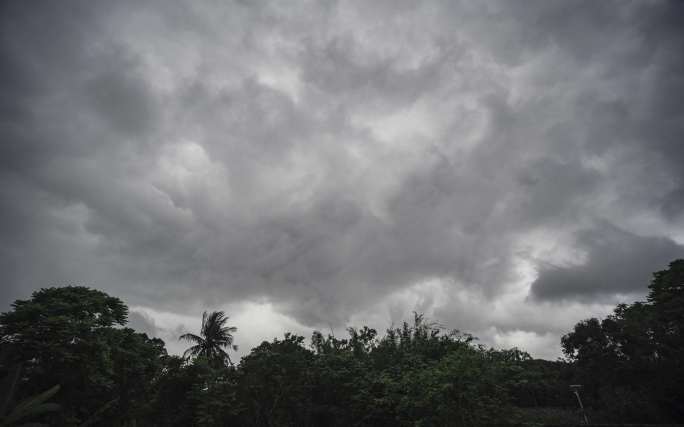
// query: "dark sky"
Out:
[509,168]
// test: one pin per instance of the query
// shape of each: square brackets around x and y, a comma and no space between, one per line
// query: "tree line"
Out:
[68,359]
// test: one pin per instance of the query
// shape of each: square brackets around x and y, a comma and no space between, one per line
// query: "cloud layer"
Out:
[490,163]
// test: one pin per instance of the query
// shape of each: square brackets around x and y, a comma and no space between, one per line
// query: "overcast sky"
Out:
[508,168]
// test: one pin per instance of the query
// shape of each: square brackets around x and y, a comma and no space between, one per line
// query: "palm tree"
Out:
[214,336]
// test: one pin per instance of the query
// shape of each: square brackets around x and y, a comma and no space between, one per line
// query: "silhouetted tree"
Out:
[67,336]
[632,361]
[214,337]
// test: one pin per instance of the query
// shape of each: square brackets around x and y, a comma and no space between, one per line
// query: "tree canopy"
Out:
[632,361]
[67,336]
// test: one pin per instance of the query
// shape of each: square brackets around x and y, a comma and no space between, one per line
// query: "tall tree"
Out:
[214,337]
[72,337]
[631,361]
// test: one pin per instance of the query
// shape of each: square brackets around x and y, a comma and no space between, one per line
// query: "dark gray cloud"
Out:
[617,262]
[332,159]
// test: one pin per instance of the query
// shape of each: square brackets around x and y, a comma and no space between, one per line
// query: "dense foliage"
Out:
[418,374]
[67,337]
[632,362]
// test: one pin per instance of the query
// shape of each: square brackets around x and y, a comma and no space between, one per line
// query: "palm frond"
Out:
[204,321]
[192,338]
[193,351]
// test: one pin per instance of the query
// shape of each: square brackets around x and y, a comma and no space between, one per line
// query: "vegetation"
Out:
[632,362]
[215,336]
[68,360]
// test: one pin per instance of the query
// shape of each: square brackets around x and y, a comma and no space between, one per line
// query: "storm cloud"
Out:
[489,163]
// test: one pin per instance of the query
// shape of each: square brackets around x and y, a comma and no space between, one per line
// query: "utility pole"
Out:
[575,388]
